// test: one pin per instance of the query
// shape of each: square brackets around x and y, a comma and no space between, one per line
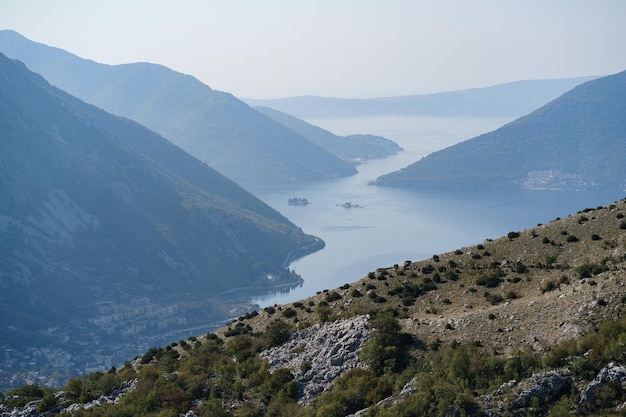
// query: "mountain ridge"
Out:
[213,126]
[503,100]
[577,141]
[107,229]
[353,148]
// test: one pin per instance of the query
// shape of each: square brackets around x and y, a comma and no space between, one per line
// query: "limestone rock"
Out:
[321,353]
[610,373]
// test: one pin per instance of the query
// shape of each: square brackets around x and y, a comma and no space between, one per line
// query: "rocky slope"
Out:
[527,291]
[533,308]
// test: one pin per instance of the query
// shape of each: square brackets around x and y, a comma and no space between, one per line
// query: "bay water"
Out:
[383,226]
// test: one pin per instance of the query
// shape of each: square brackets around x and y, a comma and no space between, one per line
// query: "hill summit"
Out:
[577,141]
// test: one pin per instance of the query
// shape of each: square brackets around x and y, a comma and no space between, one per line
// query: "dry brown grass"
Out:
[543,302]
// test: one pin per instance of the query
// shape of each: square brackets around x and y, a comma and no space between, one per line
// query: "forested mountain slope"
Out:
[211,125]
[111,237]
[353,148]
[577,141]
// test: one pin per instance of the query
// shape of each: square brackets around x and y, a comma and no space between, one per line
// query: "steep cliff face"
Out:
[108,229]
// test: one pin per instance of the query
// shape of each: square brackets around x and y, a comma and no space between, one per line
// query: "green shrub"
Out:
[586,270]
[332,296]
[428,269]
[452,276]
[549,286]
[511,295]
[277,332]
[21,396]
[386,349]
[519,267]
[489,281]
[493,299]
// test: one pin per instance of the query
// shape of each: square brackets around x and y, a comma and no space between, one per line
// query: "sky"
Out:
[337,48]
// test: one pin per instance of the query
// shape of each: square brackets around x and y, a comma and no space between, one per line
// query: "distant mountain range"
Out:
[513,99]
[213,126]
[352,148]
[577,141]
[112,238]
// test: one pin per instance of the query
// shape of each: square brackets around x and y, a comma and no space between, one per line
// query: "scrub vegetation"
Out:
[453,330]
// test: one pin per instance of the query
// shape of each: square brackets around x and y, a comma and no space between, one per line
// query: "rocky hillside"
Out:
[112,238]
[527,324]
[577,141]
[211,125]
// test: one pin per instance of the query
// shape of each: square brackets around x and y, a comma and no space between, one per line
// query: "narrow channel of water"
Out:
[386,225]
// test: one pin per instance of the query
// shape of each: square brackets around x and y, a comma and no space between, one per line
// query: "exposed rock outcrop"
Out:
[319,354]
[407,390]
[30,409]
[540,388]
[611,373]
[112,398]
[546,387]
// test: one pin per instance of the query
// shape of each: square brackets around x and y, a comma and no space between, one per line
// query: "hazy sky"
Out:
[337,48]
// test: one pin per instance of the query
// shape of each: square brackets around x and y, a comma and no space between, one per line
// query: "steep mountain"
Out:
[111,237]
[513,99]
[213,126]
[531,323]
[352,148]
[577,141]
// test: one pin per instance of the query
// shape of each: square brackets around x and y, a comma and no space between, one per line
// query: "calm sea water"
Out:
[391,225]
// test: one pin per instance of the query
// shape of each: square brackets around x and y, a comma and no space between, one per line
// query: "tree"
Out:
[277,332]
[385,350]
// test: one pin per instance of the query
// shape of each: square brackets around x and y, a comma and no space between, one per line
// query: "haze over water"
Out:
[392,225]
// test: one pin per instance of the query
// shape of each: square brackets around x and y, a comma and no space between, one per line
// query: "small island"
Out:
[297,201]
[350,205]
